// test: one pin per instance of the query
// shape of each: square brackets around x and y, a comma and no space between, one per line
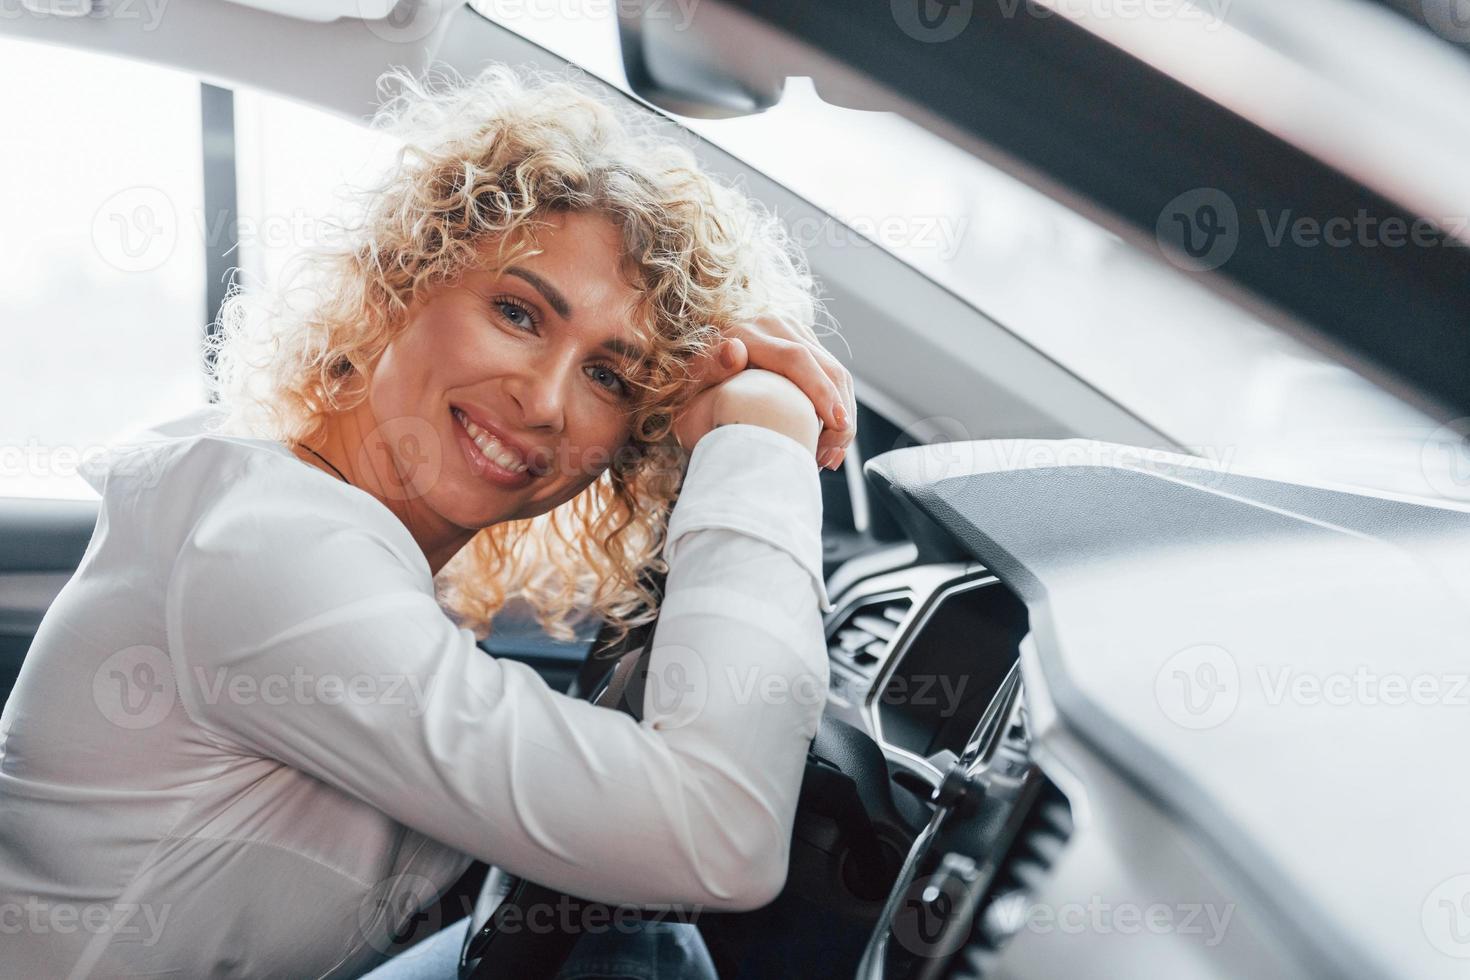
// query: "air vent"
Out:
[865,634]
[1002,913]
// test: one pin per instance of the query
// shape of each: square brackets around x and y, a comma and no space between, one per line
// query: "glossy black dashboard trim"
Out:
[1044,529]
[922,583]
[902,643]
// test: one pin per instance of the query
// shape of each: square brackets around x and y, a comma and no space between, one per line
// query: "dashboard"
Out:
[1073,676]
[918,654]
[925,659]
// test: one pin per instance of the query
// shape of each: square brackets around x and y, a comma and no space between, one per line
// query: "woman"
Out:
[254,735]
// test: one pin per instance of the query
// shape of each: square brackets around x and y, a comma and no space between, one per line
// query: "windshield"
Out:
[1218,380]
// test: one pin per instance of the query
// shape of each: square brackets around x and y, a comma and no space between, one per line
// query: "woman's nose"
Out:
[541,393]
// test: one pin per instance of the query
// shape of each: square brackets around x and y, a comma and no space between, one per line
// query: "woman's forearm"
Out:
[692,806]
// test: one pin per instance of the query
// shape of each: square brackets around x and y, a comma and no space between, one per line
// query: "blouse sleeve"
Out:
[301,635]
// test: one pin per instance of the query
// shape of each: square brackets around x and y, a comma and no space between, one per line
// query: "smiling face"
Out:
[505,396]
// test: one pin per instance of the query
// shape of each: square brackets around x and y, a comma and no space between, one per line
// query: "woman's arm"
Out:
[302,636]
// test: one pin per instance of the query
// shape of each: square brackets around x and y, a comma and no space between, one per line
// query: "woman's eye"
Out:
[516,314]
[602,373]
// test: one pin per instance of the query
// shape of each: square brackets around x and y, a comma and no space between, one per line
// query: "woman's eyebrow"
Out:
[624,349]
[564,309]
[551,293]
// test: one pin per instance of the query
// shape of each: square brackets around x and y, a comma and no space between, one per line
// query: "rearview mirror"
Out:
[668,65]
[713,60]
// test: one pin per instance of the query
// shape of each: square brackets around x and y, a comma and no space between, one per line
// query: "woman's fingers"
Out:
[773,345]
[831,457]
[734,357]
[839,423]
[799,362]
[832,444]
[721,362]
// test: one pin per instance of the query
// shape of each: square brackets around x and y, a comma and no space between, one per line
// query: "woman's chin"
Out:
[474,508]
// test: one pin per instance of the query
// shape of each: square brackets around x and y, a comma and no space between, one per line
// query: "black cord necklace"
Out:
[329,463]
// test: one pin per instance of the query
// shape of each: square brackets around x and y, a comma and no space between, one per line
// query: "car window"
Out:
[102,286]
[297,168]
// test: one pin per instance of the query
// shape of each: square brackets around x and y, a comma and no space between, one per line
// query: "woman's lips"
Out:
[481,462]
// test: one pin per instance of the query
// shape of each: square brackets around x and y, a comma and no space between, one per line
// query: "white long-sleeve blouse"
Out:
[247,740]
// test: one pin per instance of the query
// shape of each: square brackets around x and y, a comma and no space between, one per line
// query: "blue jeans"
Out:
[654,951]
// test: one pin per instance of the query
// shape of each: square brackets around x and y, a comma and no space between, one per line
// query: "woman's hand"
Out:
[771,344]
[755,397]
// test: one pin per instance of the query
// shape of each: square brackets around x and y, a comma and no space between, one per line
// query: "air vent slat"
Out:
[879,626]
[1046,846]
[1059,817]
[1003,919]
[1029,873]
[863,639]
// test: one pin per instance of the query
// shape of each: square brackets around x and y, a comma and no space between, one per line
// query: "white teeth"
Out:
[490,446]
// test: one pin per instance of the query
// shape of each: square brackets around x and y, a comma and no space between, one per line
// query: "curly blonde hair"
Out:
[484,162]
